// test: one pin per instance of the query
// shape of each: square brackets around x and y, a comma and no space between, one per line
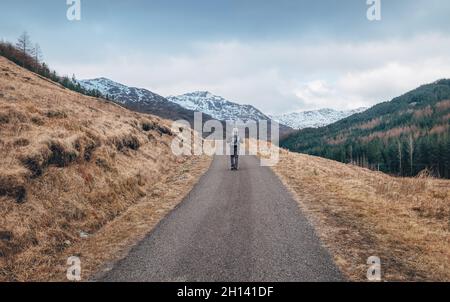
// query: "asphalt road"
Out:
[234,226]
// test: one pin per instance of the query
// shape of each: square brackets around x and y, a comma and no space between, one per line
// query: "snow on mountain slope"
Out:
[218,107]
[183,106]
[314,119]
[140,100]
[121,93]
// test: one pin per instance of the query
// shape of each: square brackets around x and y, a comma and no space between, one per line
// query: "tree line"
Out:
[402,156]
[29,55]
[407,136]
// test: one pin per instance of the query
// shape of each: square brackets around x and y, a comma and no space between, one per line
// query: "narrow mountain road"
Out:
[234,226]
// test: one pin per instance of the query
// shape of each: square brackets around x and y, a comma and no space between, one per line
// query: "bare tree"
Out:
[24,44]
[400,156]
[411,151]
[350,153]
[37,57]
[37,53]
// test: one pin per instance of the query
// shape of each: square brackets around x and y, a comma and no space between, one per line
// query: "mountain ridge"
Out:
[145,101]
[217,106]
[140,99]
[314,118]
[121,93]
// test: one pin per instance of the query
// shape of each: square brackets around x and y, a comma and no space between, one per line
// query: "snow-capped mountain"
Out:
[314,119]
[218,107]
[139,99]
[121,93]
[212,106]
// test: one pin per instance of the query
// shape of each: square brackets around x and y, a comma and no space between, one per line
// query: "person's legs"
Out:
[232,162]
[235,162]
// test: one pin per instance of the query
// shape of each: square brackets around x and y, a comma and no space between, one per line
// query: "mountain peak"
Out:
[204,94]
[217,106]
[101,84]
[101,79]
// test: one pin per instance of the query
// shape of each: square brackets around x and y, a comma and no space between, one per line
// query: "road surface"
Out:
[234,226]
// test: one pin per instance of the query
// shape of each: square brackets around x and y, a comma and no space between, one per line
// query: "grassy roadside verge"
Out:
[359,213]
[115,240]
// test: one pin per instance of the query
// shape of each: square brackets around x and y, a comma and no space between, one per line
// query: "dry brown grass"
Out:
[360,213]
[70,164]
[444,105]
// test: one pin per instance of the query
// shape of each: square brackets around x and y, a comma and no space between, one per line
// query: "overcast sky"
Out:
[278,55]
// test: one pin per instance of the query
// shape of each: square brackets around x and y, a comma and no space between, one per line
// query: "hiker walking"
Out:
[235,149]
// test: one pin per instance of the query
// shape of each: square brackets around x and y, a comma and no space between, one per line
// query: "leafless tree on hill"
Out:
[24,45]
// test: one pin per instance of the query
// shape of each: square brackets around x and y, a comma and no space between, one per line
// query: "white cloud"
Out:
[283,76]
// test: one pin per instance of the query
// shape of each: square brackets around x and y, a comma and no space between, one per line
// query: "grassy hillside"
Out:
[360,213]
[404,137]
[78,176]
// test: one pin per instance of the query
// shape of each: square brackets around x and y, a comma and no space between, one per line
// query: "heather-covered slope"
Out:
[78,176]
